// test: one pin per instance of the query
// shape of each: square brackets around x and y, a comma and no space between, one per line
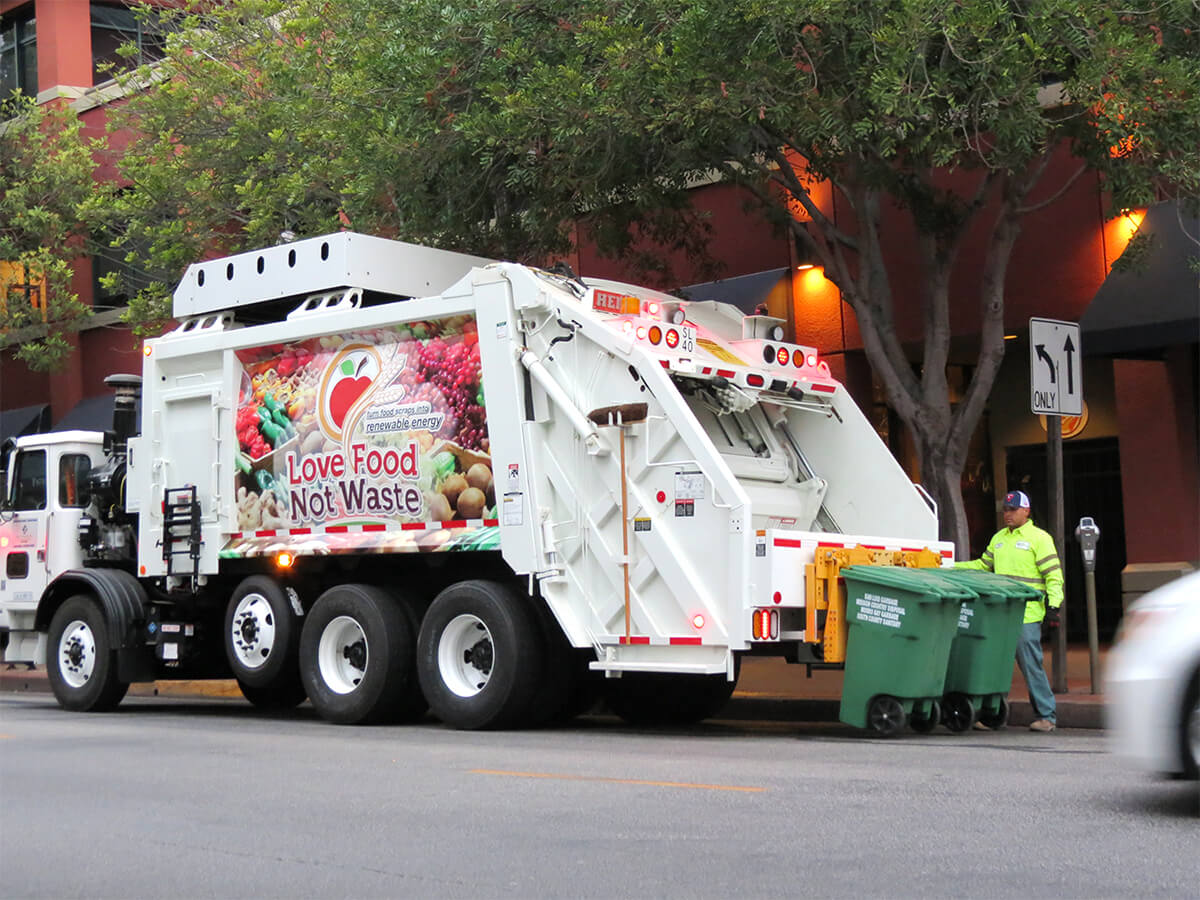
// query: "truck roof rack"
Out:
[313,265]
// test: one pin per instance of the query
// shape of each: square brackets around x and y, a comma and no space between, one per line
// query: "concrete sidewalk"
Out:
[771,689]
[768,690]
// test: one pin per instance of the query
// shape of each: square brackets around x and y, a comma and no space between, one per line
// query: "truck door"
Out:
[25,572]
[70,471]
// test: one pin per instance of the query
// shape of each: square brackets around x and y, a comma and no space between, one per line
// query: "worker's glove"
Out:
[1052,619]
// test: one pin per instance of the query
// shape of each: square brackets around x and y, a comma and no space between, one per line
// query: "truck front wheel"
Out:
[82,663]
[356,656]
[479,656]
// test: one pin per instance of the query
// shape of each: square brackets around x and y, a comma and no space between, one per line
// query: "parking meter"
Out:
[1087,533]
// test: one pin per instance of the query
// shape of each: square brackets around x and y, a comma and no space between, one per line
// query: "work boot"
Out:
[979,726]
[1042,725]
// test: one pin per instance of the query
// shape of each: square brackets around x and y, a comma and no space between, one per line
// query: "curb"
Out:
[743,708]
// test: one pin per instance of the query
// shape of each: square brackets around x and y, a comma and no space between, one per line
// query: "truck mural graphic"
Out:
[365,441]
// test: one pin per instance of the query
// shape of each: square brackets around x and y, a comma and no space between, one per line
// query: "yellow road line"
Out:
[673,784]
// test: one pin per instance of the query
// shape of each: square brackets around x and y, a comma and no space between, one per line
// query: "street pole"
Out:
[1054,472]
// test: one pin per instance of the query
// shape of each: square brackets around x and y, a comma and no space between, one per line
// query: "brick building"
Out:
[1131,460]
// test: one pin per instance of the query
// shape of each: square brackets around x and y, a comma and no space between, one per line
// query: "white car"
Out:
[1153,680]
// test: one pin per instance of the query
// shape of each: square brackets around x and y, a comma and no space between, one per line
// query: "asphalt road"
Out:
[179,798]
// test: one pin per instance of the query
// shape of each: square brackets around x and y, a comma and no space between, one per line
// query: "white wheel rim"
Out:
[342,655]
[466,655]
[77,653]
[252,632]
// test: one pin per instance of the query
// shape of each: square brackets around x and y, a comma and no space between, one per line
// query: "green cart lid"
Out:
[914,581]
[991,583]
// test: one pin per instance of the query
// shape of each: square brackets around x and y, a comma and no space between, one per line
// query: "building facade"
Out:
[1132,460]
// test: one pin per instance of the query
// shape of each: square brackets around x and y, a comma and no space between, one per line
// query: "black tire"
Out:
[995,720]
[81,662]
[886,716]
[958,712]
[1189,729]
[480,656]
[925,724]
[284,695]
[262,635]
[554,689]
[657,699]
[356,656]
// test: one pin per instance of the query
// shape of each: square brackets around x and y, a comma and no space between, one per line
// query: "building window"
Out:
[112,28]
[18,53]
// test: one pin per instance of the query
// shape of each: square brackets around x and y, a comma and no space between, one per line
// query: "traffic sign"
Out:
[1055,368]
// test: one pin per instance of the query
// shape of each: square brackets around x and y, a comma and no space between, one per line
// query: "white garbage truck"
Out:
[391,480]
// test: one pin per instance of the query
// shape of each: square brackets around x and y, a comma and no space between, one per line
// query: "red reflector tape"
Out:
[337,529]
[725,373]
[301,531]
[267,533]
[690,641]
[948,554]
[635,639]
[455,523]
[789,542]
[374,526]
[825,388]
[490,523]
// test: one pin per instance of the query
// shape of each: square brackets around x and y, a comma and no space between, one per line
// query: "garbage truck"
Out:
[396,480]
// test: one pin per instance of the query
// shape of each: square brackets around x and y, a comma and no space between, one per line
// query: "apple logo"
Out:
[348,389]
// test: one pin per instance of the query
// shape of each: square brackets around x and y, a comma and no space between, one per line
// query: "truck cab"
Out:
[45,493]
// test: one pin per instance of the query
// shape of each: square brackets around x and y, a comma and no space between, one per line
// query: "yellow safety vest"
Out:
[1026,554]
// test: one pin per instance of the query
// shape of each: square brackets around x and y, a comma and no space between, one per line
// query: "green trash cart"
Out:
[902,622]
[980,669]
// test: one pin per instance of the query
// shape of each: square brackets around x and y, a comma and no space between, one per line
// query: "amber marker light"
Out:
[284,560]
[697,621]
[147,349]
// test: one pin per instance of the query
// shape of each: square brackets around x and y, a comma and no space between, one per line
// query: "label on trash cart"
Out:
[879,610]
[964,618]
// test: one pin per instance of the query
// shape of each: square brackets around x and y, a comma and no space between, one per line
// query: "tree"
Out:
[46,189]
[493,126]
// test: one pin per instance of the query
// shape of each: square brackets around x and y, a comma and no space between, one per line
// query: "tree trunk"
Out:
[941,475]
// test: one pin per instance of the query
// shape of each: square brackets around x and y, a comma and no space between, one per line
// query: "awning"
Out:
[1156,307]
[92,414]
[743,291]
[24,420]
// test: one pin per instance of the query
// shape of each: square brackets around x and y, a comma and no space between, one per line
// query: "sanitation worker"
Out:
[1024,552]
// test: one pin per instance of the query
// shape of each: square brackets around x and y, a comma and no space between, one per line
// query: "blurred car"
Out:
[1153,680]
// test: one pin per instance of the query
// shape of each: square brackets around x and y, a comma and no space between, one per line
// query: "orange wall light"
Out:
[1119,231]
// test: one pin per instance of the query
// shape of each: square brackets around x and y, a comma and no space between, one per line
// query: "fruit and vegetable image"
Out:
[383,428]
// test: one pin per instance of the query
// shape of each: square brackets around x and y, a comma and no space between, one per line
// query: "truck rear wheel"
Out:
[262,635]
[356,656]
[286,695]
[642,698]
[479,656]
[82,663]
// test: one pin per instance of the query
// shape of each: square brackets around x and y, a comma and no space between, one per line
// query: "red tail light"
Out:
[783,356]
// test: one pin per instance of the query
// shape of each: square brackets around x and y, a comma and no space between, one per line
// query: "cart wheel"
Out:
[958,712]
[925,724]
[885,716]
[995,720]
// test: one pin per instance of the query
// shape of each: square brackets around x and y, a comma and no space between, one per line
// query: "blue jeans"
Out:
[1029,660]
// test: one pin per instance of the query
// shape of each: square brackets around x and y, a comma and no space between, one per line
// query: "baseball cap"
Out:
[1016,500]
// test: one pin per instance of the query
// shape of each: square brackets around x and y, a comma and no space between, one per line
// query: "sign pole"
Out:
[1056,390]
[1054,478]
